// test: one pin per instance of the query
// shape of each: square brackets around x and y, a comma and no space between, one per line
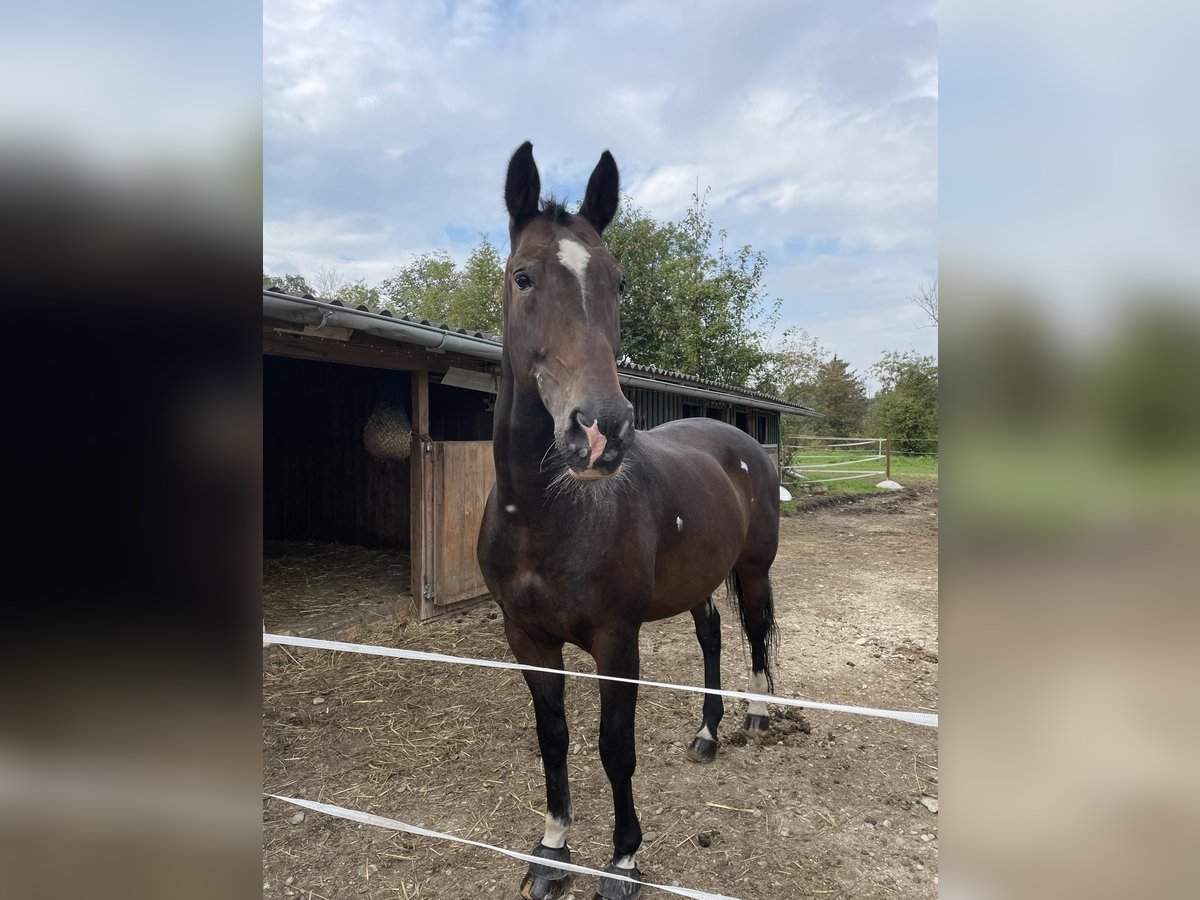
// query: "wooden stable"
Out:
[325,366]
[320,484]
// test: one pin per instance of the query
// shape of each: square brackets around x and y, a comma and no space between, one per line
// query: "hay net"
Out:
[388,432]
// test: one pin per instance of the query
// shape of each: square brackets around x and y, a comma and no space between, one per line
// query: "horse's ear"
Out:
[603,190]
[522,187]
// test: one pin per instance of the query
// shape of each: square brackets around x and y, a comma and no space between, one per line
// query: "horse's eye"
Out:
[621,286]
[523,281]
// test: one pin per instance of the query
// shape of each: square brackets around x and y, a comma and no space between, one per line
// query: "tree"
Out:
[358,293]
[791,376]
[688,305]
[479,304]
[926,298]
[793,366]
[841,398]
[328,281]
[906,407]
[289,284]
[649,319]
[432,287]
[424,288]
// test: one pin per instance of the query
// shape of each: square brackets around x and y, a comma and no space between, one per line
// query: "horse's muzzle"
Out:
[596,438]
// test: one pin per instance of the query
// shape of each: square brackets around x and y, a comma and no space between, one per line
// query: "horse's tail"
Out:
[758,620]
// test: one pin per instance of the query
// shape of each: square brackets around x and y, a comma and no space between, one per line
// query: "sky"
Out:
[387,129]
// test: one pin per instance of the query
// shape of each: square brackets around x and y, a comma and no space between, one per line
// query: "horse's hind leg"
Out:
[753,589]
[708,633]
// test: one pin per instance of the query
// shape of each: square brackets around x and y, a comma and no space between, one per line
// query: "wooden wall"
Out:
[319,483]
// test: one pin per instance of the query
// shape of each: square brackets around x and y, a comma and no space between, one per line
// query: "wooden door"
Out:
[461,479]
[773,452]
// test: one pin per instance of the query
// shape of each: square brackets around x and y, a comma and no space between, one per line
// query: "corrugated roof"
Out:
[384,311]
[630,366]
[625,365]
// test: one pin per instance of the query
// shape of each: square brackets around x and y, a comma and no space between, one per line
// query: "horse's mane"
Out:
[556,209]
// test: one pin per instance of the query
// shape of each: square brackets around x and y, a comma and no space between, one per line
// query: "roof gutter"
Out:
[302,311]
[317,313]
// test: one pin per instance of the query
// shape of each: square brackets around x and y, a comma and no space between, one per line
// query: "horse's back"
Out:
[729,446]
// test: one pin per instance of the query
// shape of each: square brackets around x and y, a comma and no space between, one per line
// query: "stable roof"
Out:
[308,310]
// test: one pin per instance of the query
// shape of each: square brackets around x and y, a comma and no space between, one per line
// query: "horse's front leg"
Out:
[616,654]
[542,882]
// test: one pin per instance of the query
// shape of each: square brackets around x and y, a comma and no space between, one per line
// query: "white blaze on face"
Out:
[758,685]
[574,257]
[556,833]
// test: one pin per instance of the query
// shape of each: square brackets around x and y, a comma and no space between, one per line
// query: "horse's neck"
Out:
[523,435]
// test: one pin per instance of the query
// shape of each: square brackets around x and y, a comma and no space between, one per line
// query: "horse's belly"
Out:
[686,574]
[703,536]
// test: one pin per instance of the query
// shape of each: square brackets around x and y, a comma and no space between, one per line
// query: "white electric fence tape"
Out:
[830,465]
[805,480]
[395,825]
[929,720]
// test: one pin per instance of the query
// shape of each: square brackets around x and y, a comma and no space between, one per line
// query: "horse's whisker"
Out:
[544,455]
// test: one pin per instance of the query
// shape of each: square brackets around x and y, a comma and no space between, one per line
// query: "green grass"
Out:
[907,470]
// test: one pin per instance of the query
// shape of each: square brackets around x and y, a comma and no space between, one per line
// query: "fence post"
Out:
[889,458]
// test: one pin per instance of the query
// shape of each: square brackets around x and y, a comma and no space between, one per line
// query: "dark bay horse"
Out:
[592,528]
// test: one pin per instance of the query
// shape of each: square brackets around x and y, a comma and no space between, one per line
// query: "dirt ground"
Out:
[330,591]
[827,806]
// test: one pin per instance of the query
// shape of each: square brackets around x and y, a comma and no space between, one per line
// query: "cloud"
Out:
[814,126]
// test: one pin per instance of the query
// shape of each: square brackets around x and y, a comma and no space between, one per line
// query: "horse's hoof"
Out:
[534,887]
[612,889]
[702,750]
[544,882]
[757,724]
